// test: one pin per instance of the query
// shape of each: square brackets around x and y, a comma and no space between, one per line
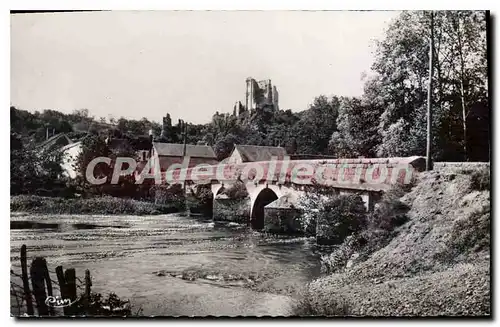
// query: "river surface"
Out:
[170,264]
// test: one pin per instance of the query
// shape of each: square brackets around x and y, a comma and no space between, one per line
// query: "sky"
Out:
[190,64]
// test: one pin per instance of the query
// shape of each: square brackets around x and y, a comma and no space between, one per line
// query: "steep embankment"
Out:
[438,262]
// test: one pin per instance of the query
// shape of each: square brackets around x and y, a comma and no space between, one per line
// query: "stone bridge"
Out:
[285,180]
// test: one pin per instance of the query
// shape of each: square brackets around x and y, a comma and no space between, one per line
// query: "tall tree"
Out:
[316,126]
[356,135]
[401,64]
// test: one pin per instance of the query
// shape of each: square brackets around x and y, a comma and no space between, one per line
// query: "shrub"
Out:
[237,191]
[339,217]
[311,204]
[168,194]
[390,212]
[480,179]
[98,205]
[99,306]
[200,200]
[338,259]
[309,305]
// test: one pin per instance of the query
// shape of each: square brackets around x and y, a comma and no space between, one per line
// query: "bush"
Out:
[311,204]
[390,212]
[98,205]
[34,171]
[480,179]
[169,195]
[200,200]
[339,217]
[237,191]
[338,259]
[100,306]
[309,305]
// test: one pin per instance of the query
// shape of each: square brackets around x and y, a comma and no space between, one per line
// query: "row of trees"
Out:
[388,119]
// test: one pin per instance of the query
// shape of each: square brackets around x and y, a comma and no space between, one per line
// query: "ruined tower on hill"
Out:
[258,95]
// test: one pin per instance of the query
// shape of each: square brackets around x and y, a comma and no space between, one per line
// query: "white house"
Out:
[70,153]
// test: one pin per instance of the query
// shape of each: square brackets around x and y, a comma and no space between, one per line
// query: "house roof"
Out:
[55,142]
[69,146]
[252,153]
[177,150]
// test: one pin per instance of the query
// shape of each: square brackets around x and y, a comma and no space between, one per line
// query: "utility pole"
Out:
[428,163]
[184,137]
[183,127]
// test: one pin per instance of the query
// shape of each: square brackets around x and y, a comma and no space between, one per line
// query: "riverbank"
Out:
[172,264]
[105,205]
[436,263]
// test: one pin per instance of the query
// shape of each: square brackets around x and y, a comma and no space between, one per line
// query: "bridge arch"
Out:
[264,197]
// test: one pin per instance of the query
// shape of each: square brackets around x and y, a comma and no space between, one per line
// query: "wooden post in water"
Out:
[37,271]
[26,284]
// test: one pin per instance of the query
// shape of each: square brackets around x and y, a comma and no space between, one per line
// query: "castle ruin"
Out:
[259,94]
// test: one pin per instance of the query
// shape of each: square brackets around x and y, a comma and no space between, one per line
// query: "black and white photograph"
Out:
[250,163]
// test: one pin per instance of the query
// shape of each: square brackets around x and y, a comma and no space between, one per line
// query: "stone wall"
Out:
[232,210]
[456,166]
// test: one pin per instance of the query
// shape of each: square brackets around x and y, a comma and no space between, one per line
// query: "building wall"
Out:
[166,161]
[69,156]
[235,158]
[275,98]
[250,94]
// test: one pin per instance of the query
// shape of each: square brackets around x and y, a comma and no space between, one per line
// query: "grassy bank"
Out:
[430,259]
[100,205]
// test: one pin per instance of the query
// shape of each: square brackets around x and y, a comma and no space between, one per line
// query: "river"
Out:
[171,264]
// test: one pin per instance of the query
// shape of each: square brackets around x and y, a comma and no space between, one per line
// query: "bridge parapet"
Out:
[371,174]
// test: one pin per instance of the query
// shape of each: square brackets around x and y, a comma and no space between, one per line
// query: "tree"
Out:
[316,126]
[225,146]
[460,78]
[33,171]
[356,134]
[92,147]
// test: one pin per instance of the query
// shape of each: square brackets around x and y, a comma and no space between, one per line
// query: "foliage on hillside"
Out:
[388,119]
